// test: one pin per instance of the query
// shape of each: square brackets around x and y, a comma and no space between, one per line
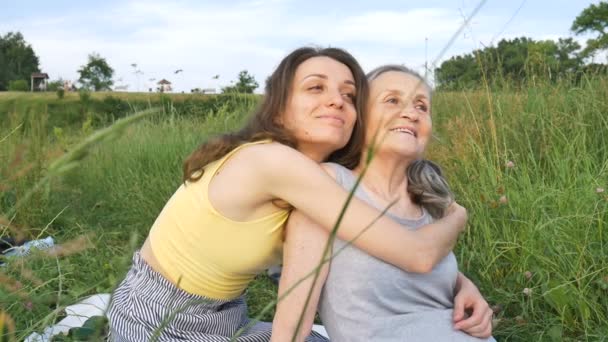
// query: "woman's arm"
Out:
[282,172]
[302,251]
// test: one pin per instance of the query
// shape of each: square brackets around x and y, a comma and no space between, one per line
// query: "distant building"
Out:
[203,91]
[122,87]
[39,81]
[69,86]
[164,86]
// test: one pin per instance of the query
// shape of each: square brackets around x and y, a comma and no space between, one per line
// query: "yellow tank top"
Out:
[206,253]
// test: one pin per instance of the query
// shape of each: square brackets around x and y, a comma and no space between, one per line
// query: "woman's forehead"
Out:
[323,67]
[399,83]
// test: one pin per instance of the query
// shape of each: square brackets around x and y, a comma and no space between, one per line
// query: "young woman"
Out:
[364,298]
[225,223]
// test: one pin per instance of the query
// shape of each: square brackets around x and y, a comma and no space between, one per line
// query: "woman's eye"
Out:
[315,87]
[392,100]
[422,107]
[349,96]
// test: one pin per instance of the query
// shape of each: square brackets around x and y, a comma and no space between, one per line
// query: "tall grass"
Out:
[109,198]
[528,164]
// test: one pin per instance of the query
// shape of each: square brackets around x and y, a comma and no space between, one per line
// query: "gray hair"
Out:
[425,181]
[372,75]
[428,188]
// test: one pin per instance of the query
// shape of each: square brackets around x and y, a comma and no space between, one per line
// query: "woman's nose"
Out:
[335,99]
[409,112]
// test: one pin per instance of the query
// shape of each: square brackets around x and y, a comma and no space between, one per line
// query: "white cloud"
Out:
[209,39]
[402,28]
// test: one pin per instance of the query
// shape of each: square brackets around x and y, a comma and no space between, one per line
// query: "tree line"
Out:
[510,61]
[18,61]
[520,60]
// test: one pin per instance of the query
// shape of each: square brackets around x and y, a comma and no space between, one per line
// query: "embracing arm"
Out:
[282,172]
[302,252]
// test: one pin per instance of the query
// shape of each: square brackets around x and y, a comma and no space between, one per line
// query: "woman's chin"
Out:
[400,151]
[333,141]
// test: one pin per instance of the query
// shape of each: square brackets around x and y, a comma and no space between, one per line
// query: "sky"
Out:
[209,38]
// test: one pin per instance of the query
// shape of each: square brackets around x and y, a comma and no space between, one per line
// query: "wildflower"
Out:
[29,306]
[496,308]
[528,275]
[510,165]
[527,291]
[599,190]
[503,199]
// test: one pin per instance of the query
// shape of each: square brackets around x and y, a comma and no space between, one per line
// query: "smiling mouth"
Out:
[404,130]
[332,118]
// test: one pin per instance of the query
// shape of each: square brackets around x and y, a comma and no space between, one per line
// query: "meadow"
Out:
[530,164]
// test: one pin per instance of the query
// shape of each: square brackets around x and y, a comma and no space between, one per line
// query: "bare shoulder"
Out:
[272,152]
[275,158]
[273,166]
[240,186]
[264,156]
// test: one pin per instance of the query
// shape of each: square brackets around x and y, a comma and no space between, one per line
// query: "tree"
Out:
[569,54]
[246,84]
[96,74]
[593,19]
[458,72]
[515,61]
[17,59]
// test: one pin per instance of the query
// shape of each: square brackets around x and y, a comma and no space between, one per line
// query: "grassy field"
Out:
[530,165]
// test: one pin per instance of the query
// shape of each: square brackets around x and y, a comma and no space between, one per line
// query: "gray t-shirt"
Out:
[366,299]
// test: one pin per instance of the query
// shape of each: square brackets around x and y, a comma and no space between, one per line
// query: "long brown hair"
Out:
[263,124]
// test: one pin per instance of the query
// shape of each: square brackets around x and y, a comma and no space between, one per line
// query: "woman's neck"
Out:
[386,181]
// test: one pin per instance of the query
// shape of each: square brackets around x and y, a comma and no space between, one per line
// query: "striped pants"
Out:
[146,306]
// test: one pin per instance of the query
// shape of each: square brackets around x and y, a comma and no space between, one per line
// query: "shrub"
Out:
[84,94]
[60,93]
[55,85]
[18,85]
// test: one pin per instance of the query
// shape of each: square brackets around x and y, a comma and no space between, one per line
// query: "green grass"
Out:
[73,96]
[552,225]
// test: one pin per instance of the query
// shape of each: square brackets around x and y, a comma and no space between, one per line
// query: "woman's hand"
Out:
[469,300]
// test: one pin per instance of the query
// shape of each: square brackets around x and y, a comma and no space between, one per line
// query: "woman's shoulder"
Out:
[269,158]
[264,149]
[269,151]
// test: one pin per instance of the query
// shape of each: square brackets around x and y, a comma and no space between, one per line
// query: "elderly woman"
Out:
[364,298]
